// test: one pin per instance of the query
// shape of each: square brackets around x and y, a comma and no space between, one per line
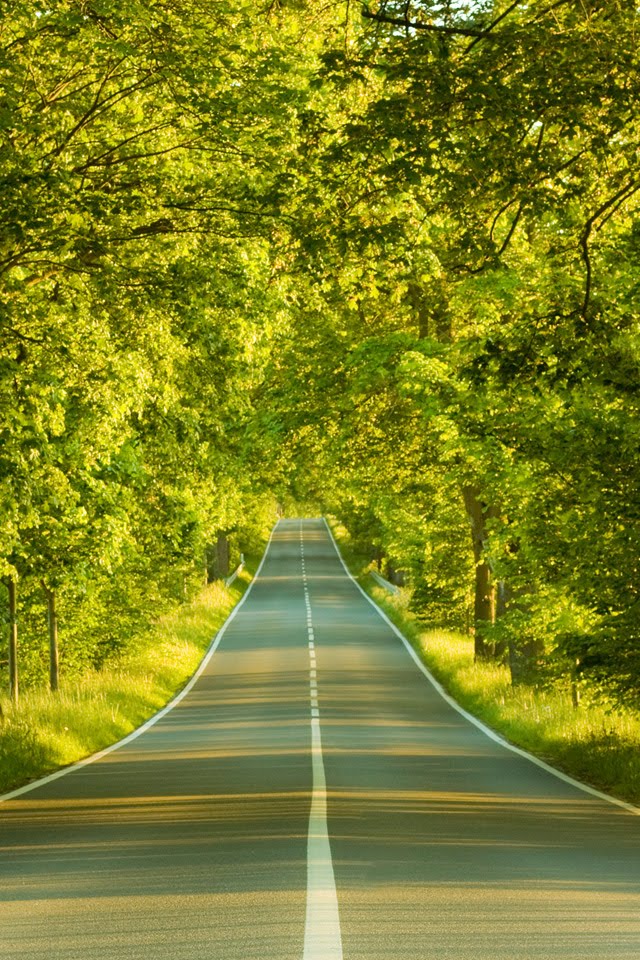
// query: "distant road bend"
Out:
[314,798]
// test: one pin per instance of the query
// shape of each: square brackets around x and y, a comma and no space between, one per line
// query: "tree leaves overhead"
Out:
[138,151]
[383,260]
[476,191]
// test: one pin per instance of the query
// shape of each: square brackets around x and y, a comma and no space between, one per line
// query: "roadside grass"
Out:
[47,731]
[594,743]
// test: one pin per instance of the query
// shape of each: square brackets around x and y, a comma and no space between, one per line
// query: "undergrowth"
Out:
[46,731]
[594,743]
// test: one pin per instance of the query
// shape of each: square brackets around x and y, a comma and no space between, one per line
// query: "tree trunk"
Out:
[13,639]
[218,558]
[523,659]
[524,651]
[431,310]
[222,555]
[575,689]
[503,598]
[483,606]
[52,617]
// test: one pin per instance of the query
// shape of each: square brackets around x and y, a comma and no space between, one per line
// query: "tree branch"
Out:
[512,229]
[503,209]
[47,28]
[102,161]
[615,201]
[418,25]
[98,106]
[222,208]
[493,24]
[21,336]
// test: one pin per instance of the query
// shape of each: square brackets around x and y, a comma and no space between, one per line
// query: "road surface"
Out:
[314,798]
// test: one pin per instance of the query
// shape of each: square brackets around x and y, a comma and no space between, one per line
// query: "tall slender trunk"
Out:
[52,617]
[222,555]
[524,657]
[503,598]
[484,599]
[575,689]
[524,651]
[431,310]
[13,639]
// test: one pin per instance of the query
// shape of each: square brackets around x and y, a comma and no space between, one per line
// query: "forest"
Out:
[376,261]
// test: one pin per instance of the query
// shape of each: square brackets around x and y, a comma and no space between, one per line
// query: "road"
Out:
[314,798]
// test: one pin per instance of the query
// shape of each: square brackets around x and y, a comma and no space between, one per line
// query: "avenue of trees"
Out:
[378,259]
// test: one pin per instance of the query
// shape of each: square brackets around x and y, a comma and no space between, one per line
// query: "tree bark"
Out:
[52,617]
[523,659]
[13,640]
[575,689]
[431,310]
[524,652]
[484,601]
[222,555]
[503,598]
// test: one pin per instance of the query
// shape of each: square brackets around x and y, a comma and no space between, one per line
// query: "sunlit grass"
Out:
[48,731]
[594,743]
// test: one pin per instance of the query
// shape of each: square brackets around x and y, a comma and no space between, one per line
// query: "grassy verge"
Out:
[594,744]
[46,732]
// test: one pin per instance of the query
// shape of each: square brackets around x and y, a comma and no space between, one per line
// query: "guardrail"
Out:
[380,580]
[235,573]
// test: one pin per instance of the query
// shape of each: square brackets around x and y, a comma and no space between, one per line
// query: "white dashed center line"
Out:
[322,937]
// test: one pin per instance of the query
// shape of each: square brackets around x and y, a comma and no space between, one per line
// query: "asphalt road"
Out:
[213,835]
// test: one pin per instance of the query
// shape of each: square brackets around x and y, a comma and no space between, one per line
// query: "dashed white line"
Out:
[322,936]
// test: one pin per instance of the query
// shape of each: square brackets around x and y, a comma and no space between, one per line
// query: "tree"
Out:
[468,188]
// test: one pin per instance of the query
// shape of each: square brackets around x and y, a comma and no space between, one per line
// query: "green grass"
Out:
[593,743]
[48,731]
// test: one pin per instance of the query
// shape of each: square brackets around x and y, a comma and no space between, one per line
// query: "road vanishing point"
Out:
[314,797]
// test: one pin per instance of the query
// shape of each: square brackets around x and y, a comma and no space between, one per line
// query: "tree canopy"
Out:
[382,259]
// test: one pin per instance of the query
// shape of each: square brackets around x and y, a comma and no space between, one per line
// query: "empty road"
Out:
[314,798]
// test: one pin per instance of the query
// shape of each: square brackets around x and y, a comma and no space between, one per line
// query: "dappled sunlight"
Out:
[222,753]
[179,925]
[468,921]
[390,722]
[257,699]
[402,750]
[429,803]
[444,844]
[198,808]
[238,839]
[292,578]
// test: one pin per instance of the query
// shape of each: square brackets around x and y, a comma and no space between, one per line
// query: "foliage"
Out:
[470,331]
[135,304]
[381,264]
[107,704]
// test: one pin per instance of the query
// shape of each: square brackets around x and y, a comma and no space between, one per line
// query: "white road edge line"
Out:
[469,716]
[215,642]
[322,934]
